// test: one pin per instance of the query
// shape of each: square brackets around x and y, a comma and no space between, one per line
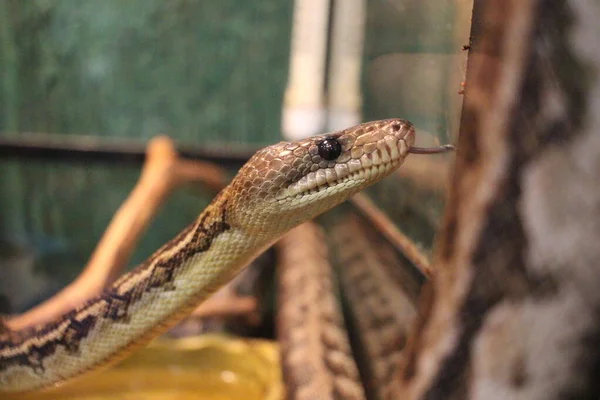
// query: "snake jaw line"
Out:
[364,159]
[358,178]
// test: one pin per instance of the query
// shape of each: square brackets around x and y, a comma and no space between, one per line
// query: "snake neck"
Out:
[135,308]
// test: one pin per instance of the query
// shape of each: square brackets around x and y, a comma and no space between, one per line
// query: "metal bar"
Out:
[94,149]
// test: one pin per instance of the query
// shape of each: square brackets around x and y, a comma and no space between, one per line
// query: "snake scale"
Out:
[280,187]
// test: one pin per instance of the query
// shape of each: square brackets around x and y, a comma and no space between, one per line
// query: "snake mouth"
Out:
[369,167]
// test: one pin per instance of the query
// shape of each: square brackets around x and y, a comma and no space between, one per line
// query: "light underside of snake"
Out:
[280,187]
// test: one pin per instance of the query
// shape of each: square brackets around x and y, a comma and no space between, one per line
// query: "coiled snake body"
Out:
[280,187]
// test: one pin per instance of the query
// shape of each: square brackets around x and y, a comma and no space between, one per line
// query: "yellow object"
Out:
[207,367]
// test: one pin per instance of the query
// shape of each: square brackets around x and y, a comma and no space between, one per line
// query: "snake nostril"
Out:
[396,127]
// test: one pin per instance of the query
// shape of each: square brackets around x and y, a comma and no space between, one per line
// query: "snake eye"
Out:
[329,149]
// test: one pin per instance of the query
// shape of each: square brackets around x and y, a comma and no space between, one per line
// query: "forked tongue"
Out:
[431,150]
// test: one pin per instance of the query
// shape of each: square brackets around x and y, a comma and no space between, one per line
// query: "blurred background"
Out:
[211,75]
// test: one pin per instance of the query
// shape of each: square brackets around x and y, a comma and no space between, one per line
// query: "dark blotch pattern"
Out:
[115,302]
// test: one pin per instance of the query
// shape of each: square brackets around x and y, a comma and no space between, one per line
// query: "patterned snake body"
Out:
[316,356]
[280,187]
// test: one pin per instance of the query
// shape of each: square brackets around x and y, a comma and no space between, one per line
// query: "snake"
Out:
[316,354]
[381,298]
[280,187]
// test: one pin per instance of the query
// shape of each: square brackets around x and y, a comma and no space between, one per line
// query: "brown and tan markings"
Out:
[36,344]
[380,301]
[317,360]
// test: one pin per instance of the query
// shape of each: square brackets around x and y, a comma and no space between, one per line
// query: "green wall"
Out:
[202,71]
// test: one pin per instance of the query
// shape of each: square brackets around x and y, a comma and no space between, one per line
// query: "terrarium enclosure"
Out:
[467,274]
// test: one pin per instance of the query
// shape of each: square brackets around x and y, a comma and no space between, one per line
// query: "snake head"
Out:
[295,181]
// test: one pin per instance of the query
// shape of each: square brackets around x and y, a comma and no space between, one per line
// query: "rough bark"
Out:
[514,310]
